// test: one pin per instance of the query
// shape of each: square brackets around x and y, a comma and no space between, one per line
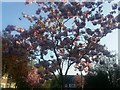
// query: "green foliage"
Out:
[99,81]
[55,83]
[21,83]
[47,84]
[40,69]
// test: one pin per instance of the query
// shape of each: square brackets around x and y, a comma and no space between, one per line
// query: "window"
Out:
[2,85]
[66,85]
[72,85]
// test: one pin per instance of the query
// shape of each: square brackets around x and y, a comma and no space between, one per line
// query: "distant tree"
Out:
[51,36]
[116,77]
[14,62]
[16,69]
[108,65]
[100,80]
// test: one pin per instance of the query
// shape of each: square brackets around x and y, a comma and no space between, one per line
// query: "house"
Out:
[74,81]
[69,81]
[5,82]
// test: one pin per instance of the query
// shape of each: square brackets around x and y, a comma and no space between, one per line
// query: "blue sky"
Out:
[11,11]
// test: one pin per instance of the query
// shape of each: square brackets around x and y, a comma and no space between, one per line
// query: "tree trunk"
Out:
[109,74]
[62,82]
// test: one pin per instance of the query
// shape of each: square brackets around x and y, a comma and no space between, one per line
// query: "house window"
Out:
[66,85]
[72,85]
[2,85]
[8,85]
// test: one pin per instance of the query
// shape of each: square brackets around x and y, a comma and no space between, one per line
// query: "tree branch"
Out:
[66,20]
[68,68]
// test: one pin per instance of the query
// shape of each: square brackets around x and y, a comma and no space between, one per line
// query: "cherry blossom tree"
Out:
[60,30]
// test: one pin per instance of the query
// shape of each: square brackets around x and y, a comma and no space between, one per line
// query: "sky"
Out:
[11,12]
